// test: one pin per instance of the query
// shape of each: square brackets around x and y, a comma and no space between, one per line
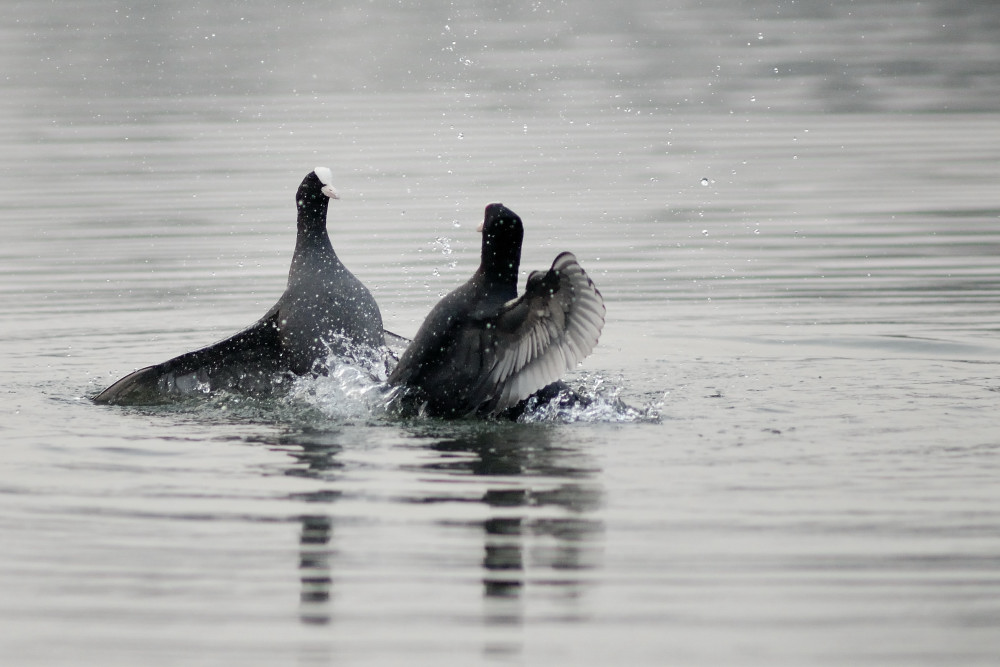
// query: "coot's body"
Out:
[482,349]
[325,309]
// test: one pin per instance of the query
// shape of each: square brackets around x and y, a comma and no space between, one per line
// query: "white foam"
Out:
[601,404]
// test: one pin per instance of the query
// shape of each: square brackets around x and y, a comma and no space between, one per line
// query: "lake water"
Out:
[791,209]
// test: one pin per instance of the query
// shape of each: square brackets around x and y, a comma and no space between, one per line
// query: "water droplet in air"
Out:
[705,182]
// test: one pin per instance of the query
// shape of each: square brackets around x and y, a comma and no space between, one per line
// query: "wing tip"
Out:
[551,356]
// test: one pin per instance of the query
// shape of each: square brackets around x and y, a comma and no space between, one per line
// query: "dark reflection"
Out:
[316,461]
[314,568]
[524,544]
[539,535]
[511,449]
[313,450]
[503,573]
[315,454]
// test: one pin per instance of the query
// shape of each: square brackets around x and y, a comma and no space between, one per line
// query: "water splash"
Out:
[442,244]
[596,399]
[353,393]
[350,383]
[346,393]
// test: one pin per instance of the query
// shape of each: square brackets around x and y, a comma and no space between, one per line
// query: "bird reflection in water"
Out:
[316,455]
[538,535]
[314,568]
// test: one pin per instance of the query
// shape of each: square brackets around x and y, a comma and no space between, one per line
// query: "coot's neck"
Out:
[312,208]
[314,253]
[500,264]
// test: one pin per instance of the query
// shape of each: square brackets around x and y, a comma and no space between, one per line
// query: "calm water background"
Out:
[792,210]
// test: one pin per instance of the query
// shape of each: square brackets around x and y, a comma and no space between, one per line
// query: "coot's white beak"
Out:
[325,177]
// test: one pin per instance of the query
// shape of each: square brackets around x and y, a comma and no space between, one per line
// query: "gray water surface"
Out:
[792,211]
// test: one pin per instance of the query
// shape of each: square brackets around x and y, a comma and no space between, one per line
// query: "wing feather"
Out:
[247,357]
[537,337]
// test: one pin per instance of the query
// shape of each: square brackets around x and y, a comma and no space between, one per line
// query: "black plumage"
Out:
[483,349]
[325,309]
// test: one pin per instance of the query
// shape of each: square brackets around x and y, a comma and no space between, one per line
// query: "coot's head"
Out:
[314,195]
[502,235]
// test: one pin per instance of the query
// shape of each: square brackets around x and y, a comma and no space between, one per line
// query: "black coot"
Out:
[324,309]
[483,349]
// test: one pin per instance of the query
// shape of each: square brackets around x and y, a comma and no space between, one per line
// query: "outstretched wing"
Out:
[248,357]
[537,337]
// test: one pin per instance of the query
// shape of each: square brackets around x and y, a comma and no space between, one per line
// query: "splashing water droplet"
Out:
[602,404]
[442,244]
